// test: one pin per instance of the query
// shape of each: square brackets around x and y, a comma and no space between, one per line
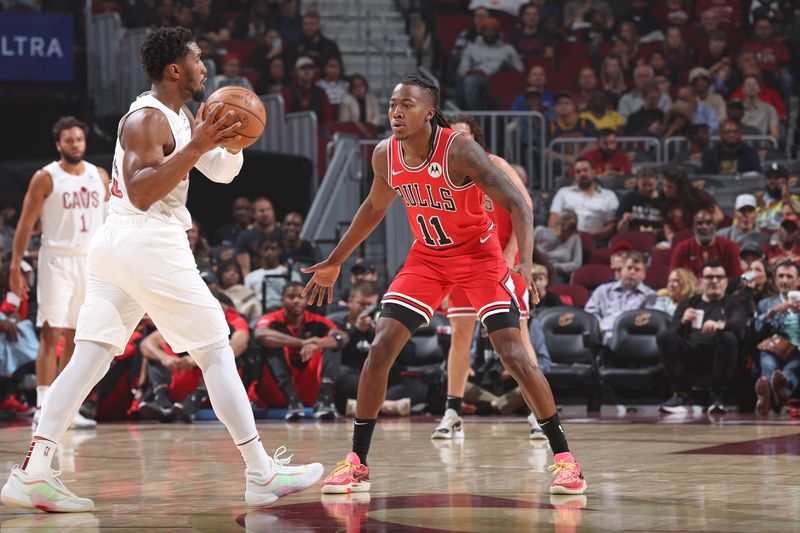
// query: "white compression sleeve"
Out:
[219,165]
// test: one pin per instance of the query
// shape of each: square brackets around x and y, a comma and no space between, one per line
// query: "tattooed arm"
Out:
[467,160]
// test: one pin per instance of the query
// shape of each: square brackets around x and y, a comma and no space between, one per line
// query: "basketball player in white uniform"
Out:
[140,262]
[69,196]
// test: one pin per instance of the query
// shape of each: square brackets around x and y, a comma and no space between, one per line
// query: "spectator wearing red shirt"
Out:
[705,246]
[303,354]
[673,13]
[530,38]
[729,11]
[787,248]
[606,159]
[770,54]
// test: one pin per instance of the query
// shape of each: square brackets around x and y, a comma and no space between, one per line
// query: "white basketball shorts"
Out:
[60,288]
[140,265]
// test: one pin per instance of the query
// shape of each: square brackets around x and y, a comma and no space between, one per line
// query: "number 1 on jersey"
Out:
[443,239]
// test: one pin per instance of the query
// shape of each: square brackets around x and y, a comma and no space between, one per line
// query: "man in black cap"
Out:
[360,271]
[776,193]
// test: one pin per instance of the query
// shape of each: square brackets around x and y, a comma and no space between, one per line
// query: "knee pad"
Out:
[212,353]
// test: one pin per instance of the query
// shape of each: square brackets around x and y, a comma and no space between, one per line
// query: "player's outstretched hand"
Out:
[526,271]
[325,274]
[211,132]
[17,283]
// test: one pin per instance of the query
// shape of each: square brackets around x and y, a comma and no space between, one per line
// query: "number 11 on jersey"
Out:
[443,239]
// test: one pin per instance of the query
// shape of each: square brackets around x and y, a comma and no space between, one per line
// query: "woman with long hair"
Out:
[682,201]
[612,78]
[244,300]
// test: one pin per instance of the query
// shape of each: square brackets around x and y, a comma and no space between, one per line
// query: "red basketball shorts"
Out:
[459,304]
[477,268]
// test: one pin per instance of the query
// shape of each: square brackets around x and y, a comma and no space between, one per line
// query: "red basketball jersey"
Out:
[441,214]
[500,217]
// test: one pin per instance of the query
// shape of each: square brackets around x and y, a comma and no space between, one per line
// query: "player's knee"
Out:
[511,353]
[380,352]
[51,336]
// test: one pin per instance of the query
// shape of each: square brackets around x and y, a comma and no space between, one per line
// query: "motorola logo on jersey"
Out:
[435,170]
[414,197]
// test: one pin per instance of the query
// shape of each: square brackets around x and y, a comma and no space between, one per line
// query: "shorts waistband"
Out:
[62,251]
[139,220]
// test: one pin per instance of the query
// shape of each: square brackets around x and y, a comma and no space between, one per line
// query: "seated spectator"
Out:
[568,124]
[273,79]
[207,20]
[248,242]
[701,113]
[468,35]
[587,83]
[659,63]
[700,81]
[290,23]
[780,314]
[295,248]
[771,54]
[681,285]
[640,14]
[677,120]
[360,271]
[611,299]
[242,215]
[606,159]
[537,78]
[561,244]
[678,55]
[304,95]
[594,205]
[403,391]
[541,280]
[647,121]
[244,299]
[709,25]
[766,93]
[758,114]
[198,244]
[627,58]
[717,57]
[313,44]
[303,354]
[627,32]
[209,54]
[634,100]
[776,194]
[332,83]
[787,245]
[593,30]
[743,229]
[705,336]
[692,253]
[619,254]
[699,138]
[734,110]
[575,10]
[600,115]
[231,74]
[480,60]
[642,209]
[757,284]
[269,47]
[254,22]
[729,12]
[359,105]
[612,81]
[269,281]
[731,155]
[673,13]
[531,39]
[18,343]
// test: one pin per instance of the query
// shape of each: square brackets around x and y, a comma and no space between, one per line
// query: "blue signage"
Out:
[36,47]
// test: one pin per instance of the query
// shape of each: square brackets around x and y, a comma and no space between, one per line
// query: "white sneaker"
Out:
[350,408]
[450,426]
[35,420]
[281,480]
[536,430]
[81,422]
[42,491]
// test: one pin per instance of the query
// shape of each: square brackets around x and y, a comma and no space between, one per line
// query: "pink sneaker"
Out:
[348,476]
[568,476]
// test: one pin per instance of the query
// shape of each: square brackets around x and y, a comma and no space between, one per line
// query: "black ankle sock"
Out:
[554,433]
[454,403]
[325,390]
[362,437]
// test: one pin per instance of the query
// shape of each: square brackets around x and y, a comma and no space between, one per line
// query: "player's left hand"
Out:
[525,269]
[325,274]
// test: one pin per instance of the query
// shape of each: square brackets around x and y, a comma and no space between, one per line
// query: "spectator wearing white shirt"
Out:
[268,282]
[757,113]
[596,207]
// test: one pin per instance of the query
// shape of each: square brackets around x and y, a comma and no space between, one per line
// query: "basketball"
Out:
[248,110]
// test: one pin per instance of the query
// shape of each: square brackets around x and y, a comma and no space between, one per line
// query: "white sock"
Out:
[255,456]
[41,390]
[40,457]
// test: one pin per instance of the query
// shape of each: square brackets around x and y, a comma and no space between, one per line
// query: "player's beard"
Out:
[72,160]
[199,95]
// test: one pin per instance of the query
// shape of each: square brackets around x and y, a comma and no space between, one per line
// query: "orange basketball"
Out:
[248,110]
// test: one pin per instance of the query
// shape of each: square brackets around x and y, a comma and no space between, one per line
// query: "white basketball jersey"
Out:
[74,210]
[172,207]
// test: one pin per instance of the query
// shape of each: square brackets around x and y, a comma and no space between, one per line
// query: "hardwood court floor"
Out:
[644,474]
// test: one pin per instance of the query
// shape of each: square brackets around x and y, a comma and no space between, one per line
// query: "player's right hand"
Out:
[18,284]
[211,132]
[325,274]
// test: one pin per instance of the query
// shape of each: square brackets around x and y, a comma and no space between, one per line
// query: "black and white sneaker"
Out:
[717,406]
[450,427]
[324,409]
[676,405]
[536,429]
[187,408]
[295,411]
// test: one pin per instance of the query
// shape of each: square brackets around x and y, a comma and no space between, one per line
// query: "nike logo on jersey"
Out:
[396,172]
[484,239]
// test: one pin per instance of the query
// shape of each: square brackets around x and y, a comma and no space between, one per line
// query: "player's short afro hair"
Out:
[161,47]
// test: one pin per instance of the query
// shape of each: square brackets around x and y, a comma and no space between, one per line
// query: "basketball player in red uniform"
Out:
[441,176]
[460,312]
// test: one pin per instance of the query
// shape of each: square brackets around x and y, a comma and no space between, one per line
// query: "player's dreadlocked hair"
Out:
[474,128]
[161,47]
[433,92]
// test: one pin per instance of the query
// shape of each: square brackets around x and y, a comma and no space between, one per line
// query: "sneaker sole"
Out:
[558,489]
[255,499]
[674,410]
[346,489]
[538,435]
[450,435]
[14,498]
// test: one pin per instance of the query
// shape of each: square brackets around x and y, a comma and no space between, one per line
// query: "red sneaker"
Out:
[348,476]
[10,403]
[568,476]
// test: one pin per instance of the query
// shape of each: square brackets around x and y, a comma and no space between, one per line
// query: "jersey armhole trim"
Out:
[124,120]
[446,158]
